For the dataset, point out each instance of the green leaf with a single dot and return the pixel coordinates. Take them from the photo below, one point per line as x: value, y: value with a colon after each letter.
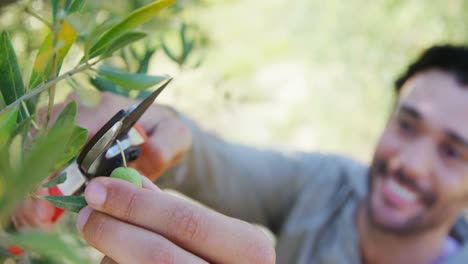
x: 7, y: 125
x: 42, y: 65
x: 11, y: 82
x: 187, y: 48
x: 55, y: 8
x: 104, y: 85
x: 183, y: 34
x: 2, y: 102
x: 123, y: 41
x: 59, y: 179
x: 77, y: 140
x: 38, y: 163
x: 47, y: 244
x: 144, y: 62
x: 133, y: 20
x: 75, y: 6
x: 65, y: 4
x: 4, y: 255
x: 168, y: 51
x: 66, y: 117
x: 95, y: 33
x: 73, y: 203
x: 132, y: 81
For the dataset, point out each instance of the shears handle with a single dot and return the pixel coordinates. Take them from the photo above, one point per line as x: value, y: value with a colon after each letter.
x: 55, y: 190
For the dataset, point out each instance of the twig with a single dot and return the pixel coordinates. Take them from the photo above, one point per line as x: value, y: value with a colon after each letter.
x: 53, y: 72
x: 38, y: 17
x: 47, y: 85
x: 23, y: 104
x: 122, y: 153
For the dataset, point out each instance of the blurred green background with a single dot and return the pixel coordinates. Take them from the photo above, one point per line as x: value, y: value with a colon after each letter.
x: 307, y: 74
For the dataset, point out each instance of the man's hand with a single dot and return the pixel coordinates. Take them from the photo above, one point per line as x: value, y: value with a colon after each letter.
x: 168, y: 141
x: 146, y: 225
x: 34, y: 212
x: 168, y: 138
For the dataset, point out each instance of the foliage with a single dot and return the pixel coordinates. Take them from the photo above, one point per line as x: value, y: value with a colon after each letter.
x: 32, y: 145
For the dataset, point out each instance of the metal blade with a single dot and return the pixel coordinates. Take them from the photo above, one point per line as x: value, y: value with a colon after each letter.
x: 92, y: 148
x: 134, y: 114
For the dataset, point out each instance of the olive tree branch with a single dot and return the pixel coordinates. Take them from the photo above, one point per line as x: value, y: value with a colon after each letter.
x: 47, y: 85
x: 38, y: 17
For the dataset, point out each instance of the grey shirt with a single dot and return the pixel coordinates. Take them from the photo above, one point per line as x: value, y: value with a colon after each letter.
x: 308, y: 200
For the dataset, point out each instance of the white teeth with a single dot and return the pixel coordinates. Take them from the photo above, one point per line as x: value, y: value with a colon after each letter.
x: 401, y: 191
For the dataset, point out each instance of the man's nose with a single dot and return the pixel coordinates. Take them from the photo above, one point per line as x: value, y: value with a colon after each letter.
x: 415, y: 159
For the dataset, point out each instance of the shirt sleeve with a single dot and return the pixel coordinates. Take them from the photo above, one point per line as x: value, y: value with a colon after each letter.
x: 259, y: 186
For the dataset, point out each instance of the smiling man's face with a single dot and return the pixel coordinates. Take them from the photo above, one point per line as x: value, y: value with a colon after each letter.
x: 419, y: 176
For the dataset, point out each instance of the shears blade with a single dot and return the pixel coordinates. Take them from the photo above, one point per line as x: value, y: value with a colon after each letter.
x: 133, y: 114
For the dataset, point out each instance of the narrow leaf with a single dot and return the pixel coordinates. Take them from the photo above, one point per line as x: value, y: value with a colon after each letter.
x: 123, y: 41
x: 7, y: 125
x: 73, y: 203
x: 77, y: 140
x: 132, y: 81
x: 188, y: 47
x: 144, y: 62
x: 4, y: 255
x: 104, y: 85
x: 66, y: 117
x: 11, y: 82
x: 66, y: 36
x: 133, y: 20
x: 59, y: 179
x: 65, y: 4
x: 2, y: 102
x: 48, y: 244
x: 168, y: 51
x: 96, y: 32
x: 75, y: 6
x: 55, y: 8
x: 37, y: 163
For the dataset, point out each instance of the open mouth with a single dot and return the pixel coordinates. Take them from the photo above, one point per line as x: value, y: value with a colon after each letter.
x: 399, y: 195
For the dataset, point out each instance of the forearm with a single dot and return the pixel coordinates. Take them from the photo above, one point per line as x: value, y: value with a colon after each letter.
x: 239, y: 181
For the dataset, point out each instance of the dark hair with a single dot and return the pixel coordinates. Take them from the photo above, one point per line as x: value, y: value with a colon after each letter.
x: 448, y: 58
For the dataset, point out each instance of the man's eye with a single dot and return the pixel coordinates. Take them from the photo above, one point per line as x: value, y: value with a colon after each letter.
x: 405, y: 126
x: 450, y: 152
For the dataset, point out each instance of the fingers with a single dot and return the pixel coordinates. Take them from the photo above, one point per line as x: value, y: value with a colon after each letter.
x: 148, y: 184
x: 125, y: 243
x: 194, y: 228
x: 168, y: 142
x: 34, y: 212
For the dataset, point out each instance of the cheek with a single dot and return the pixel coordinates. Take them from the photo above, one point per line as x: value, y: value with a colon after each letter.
x: 452, y: 188
x: 388, y: 144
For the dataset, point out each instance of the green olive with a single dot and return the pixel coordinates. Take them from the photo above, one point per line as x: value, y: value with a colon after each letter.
x: 127, y: 174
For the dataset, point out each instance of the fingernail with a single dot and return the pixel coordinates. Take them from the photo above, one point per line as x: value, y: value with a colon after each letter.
x: 83, y: 217
x: 95, y: 194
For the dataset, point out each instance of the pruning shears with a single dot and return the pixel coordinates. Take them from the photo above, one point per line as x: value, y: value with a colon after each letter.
x: 102, y: 153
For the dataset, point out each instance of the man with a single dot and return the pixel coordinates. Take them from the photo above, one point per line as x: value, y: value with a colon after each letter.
x: 322, y: 208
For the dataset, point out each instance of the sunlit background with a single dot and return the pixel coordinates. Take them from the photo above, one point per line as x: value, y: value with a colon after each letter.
x: 309, y: 75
